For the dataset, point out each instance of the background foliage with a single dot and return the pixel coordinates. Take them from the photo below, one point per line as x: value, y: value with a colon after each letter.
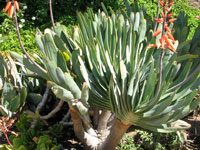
x: 35, y: 13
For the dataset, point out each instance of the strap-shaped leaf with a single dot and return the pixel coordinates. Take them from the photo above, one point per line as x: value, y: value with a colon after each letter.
x: 50, y: 47
x: 61, y: 45
x: 185, y: 57
x: 51, y: 69
x: 157, y: 109
x: 61, y: 62
x: 73, y: 87
x: 60, y: 92
x: 29, y: 65
x: 85, y: 94
x: 150, y: 86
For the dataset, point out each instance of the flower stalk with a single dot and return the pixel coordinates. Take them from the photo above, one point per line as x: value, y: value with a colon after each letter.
x: 166, y: 41
x: 51, y: 13
x: 20, y: 41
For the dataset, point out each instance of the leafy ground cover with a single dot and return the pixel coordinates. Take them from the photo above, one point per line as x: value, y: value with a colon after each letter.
x: 137, y: 139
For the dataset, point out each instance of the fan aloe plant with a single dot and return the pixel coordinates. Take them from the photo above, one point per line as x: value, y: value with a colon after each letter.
x: 12, y: 92
x: 106, y: 66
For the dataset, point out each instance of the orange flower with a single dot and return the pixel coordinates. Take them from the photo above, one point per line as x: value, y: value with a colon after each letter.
x: 151, y: 46
x: 10, y: 7
x: 171, y: 3
x: 170, y: 48
x: 16, y: 5
x: 156, y: 33
x: 169, y: 15
x: 198, y: 17
x: 7, y: 6
x: 168, y: 42
x: 170, y: 36
x: 10, y: 11
x: 162, y: 42
x: 158, y: 20
x: 167, y: 28
x: 162, y: 3
x: 162, y: 14
x: 172, y: 20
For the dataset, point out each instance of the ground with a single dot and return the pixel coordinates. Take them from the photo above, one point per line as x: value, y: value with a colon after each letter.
x: 193, y: 141
x: 194, y: 3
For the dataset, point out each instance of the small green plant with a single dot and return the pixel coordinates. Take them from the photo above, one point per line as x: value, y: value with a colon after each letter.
x: 128, y: 143
x: 35, y: 138
x: 9, y: 42
x: 145, y: 140
x: 12, y: 92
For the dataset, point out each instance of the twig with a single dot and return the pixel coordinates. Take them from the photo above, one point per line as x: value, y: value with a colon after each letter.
x: 54, y: 111
x: 44, y: 99
x: 5, y: 125
x: 51, y: 13
x: 66, y: 117
x: 40, y: 106
x: 67, y: 123
x: 21, y: 45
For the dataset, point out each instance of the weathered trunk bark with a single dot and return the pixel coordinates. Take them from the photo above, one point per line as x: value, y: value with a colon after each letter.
x: 116, y: 133
x: 103, y: 120
x: 90, y: 142
x: 94, y: 143
x: 96, y: 116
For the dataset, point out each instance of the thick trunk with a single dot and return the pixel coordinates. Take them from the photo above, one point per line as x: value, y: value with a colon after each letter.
x: 116, y: 133
x: 103, y: 120
x: 90, y: 142
x: 96, y: 116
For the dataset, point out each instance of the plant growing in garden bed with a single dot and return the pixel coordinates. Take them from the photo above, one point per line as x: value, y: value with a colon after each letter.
x: 110, y: 67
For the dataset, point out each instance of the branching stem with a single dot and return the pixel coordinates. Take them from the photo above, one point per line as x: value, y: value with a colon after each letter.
x: 5, y: 134
x: 54, y: 111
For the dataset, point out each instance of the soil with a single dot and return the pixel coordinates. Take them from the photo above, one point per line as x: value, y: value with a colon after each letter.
x: 193, y: 133
x: 69, y: 141
x: 194, y: 3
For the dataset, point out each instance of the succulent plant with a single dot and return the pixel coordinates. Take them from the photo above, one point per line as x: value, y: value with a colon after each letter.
x: 109, y: 56
x: 123, y: 75
x: 12, y: 92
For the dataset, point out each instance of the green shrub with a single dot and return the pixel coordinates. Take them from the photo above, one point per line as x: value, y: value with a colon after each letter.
x: 179, y: 6
x: 145, y: 140
x: 36, y: 138
x: 9, y: 42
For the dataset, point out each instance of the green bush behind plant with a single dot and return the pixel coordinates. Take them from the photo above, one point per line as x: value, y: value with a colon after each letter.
x: 178, y: 6
x: 65, y: 13
x: 10, y: 42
